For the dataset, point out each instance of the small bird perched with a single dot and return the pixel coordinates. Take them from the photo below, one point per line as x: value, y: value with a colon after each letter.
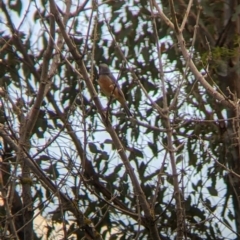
x: 110, y: 87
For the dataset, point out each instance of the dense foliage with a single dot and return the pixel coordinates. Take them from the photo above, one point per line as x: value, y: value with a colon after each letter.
x: 73, y: 156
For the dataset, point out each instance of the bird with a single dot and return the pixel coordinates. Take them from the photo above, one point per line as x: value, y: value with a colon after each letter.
x: 110, y: 87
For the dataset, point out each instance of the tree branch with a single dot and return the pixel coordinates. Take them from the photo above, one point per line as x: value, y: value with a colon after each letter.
x: 67, y: 203
x: 120, y: 149
x: 214, y: 93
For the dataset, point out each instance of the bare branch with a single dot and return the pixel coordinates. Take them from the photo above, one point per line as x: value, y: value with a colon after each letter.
x: 175, y: 22
x: 186, y: 15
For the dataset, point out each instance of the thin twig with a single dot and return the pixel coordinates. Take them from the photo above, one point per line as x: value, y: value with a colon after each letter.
x: 173, y: 14
x: 170, y: 145
x: 186, y: 15
x: 159, y: 181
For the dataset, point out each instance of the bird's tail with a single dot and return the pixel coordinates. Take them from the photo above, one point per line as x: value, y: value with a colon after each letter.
x: 127, y: 110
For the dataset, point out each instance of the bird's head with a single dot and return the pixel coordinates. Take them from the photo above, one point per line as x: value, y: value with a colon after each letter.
x: 103, y: 69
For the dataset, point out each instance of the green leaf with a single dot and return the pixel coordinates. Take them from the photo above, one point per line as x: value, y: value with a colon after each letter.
x: 138, y: 153
x: 104, y: 156
x: 108, y: 141
x: 212, y: 191
x: 53, y: 171
x: 93, y: 148
x: 153, y: 147
x: 179, y: 158
x: 16, y: 5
